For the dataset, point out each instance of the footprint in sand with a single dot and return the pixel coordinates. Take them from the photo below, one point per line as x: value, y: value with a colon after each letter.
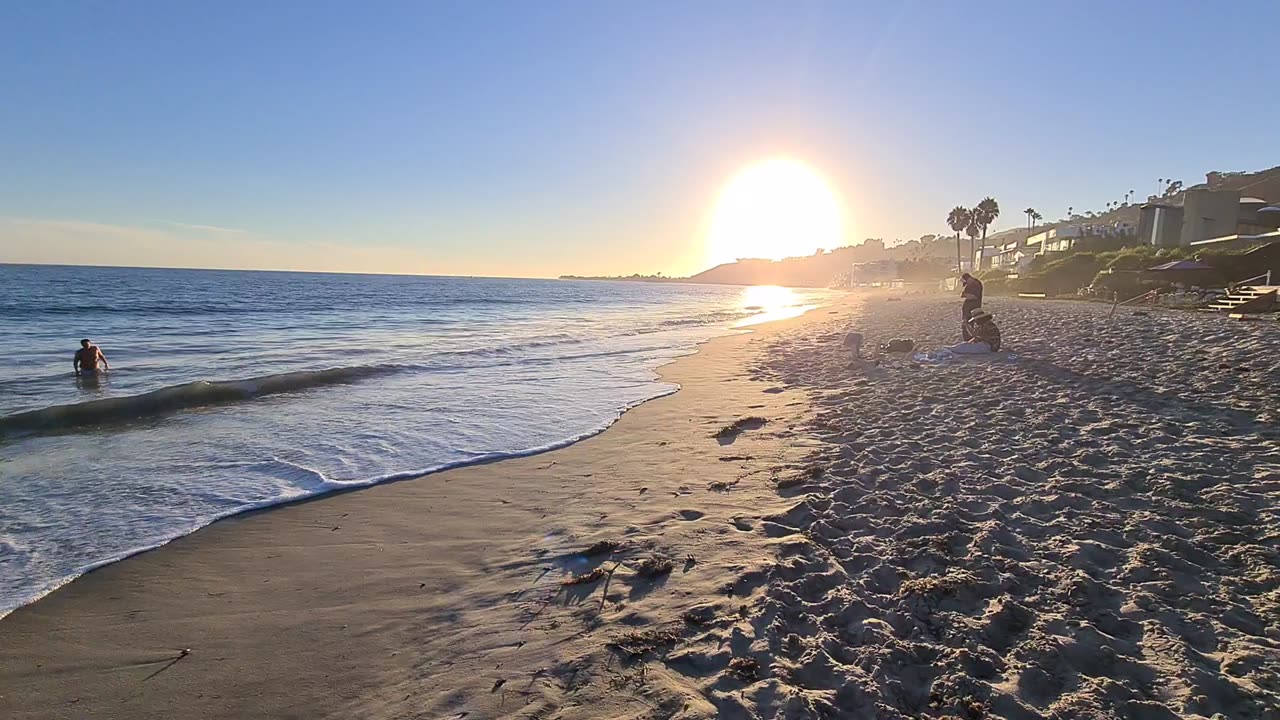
x: 743, y: 524
x: 691, y: 514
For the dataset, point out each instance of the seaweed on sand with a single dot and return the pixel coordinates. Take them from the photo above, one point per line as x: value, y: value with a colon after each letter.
x: 652, y: 567
x: 584, y: 578
x: 603, y: 547
x: 642, y: 642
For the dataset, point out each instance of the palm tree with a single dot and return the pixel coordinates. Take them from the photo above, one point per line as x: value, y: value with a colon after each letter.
x: 972, y: 230
x: 984, y: 214
x: 1029, y: 212
x: 958, y: 219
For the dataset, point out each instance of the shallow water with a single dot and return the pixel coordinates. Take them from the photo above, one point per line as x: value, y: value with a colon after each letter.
x: 236, y: 390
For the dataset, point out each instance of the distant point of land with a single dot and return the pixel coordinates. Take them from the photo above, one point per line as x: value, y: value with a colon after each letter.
x: 659, y: 278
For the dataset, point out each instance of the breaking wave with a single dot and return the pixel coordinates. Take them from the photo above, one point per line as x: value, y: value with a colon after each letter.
x: 200, y: 393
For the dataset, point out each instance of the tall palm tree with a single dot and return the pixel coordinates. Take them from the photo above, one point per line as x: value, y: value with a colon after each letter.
x: 958, y: 219
x: 1035, y: 218
x: 1029, y: 212
x: 984, y: 214
x: 972, y: 230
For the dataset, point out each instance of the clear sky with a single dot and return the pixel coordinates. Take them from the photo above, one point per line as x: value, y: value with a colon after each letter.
x: 539, y: 138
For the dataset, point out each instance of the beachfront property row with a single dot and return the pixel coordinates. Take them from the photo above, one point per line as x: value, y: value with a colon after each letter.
x: 1220, y: 219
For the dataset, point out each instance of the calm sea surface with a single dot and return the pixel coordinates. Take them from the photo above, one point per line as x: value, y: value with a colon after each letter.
x: 236, y: 390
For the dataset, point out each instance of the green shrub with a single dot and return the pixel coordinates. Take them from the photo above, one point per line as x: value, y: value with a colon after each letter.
x: 1059, y: 273
x: 1070, y: 273
x: 1124, y: 283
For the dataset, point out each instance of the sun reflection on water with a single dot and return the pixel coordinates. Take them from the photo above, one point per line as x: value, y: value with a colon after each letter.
x: 771, y: 302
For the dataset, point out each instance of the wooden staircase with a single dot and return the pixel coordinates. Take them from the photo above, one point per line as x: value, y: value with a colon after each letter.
x: 1250, y: 299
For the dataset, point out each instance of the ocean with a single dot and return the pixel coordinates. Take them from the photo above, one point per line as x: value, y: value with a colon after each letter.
x: 231, y: 391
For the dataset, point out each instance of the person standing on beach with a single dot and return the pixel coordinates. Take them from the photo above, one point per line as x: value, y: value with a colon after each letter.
x: 971, y: 294
x: 87, y: 359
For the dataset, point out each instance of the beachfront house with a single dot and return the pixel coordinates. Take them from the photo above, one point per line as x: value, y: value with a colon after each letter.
x: 877, y: 273
x: 1065, y: 237
x: 1228, y: 210
x: 984, y: 258
x: 1160, y: 224
x: 1014, y: 256
x: 1056, y: 239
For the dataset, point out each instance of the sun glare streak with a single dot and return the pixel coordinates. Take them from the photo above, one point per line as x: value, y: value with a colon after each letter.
x: 769, y: 303
x: 774, y: 209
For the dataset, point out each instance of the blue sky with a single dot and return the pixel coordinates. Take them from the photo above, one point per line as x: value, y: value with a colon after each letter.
x: 532, y: 139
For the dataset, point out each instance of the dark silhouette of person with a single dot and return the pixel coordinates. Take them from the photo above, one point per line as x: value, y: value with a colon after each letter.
x: 971, y: 293
x: 88, y: 358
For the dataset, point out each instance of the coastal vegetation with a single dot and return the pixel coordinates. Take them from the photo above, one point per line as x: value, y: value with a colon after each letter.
x: 959, y: 220
x: 1113, y: 270
x: 985, y: 213
x: 974, y: 223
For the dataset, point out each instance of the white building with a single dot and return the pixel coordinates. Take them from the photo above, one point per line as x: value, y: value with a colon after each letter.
x: 1058, y: 239
x: 872, y: 273
x: 984, y: 258
x: 1062, y: 238
x: 1014, y: 256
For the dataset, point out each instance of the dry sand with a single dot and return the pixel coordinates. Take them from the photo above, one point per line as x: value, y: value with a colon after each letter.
x: 1088, y: 530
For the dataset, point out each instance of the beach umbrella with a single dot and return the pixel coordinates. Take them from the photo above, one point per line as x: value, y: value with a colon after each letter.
x: 1183, y: 271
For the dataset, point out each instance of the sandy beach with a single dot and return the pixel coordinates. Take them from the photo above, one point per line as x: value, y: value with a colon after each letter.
x: 1083, y: 527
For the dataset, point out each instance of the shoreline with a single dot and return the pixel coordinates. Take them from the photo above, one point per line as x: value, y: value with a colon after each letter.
x: 339, y: 487
x: 80, y: 605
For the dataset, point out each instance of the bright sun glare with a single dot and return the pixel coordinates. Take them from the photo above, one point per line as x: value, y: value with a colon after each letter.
x: 774, y: 209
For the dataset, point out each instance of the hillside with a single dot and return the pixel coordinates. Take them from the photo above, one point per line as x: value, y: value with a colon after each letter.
x: 820, y: 269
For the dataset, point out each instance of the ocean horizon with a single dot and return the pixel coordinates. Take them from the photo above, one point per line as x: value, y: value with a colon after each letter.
x: 235, y: 390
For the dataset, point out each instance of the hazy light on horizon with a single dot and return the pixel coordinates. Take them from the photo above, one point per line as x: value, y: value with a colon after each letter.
x: 772, y: 302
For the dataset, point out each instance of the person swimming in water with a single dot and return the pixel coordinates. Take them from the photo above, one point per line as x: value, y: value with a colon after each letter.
x: 87, y: 359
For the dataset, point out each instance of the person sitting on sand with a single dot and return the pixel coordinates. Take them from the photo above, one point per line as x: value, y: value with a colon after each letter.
x: 853, y: 343
x: 984, y: 336
x: 87, y: 359
x: 971, y: 293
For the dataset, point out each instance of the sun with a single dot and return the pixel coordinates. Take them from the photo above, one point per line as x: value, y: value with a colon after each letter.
x: 774, y: 209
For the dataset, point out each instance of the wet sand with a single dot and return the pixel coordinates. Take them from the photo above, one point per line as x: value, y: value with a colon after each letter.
x: 437, y: 597
x: 1086, y: 527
